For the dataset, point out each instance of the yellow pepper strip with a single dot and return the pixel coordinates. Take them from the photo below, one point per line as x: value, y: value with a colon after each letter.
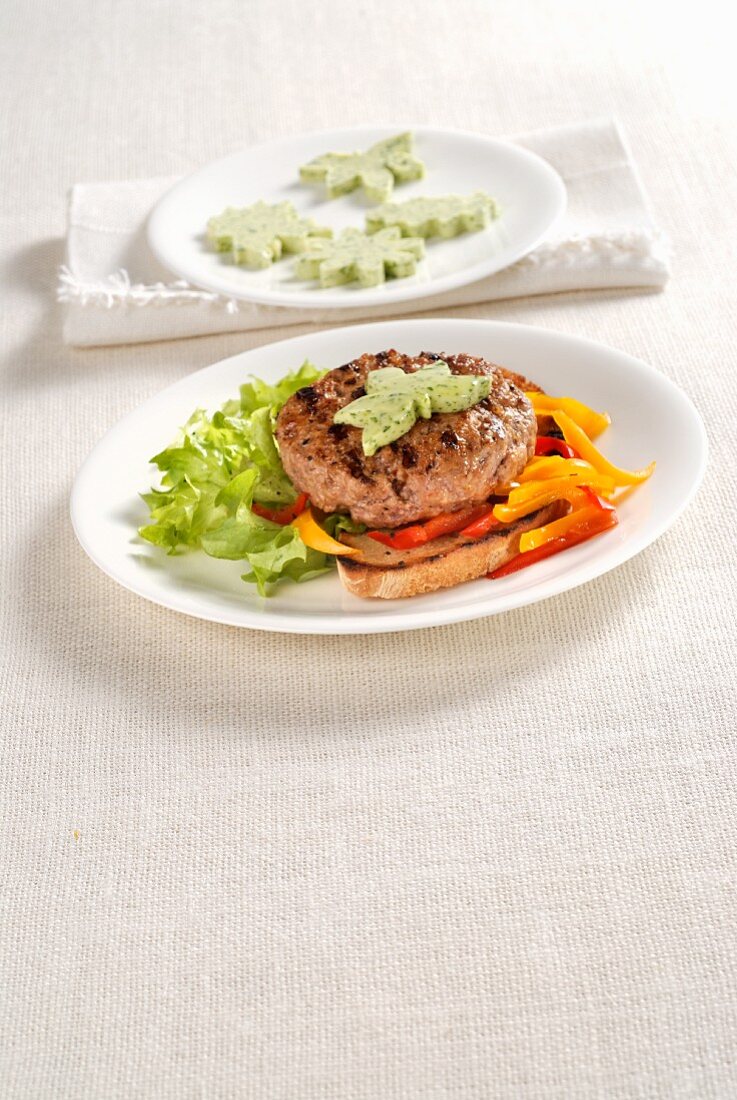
x: 317, y: 538
x: 590, y: 421
x: 558, y: 528
x: 577, y: 438
x: 537, y: 494
x: 555, y: 466
x: 600, y: 483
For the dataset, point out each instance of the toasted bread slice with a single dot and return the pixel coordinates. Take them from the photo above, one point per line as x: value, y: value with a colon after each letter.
x: 387, y: 574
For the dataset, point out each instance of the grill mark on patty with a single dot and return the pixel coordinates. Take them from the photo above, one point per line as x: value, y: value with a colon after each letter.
x: 308, y: 396
x: 355, y: 465
x: 449, y: 439
x: 409, y: 456
x: 397, y: 486
x: 338, y: 431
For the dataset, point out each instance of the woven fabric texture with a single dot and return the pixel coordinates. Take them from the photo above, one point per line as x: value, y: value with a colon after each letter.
x: 492, y: 860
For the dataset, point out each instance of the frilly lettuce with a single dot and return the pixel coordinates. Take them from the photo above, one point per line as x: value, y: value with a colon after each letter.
x: 213, y: 472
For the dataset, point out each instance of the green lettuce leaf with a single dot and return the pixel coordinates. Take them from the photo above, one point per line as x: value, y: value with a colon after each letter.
x: 256, y: 394
x: 337, y: 522
x: 213, y: 472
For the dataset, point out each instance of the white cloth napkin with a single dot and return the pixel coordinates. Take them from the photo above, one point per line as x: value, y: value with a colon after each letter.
x: 117, y: 293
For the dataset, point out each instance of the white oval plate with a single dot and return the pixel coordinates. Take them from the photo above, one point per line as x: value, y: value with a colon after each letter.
x: 532, y: 196
x: 652, y: 418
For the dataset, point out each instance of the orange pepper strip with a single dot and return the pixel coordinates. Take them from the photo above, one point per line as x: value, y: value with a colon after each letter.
x: 577, y: 438
x: 317, y: 538
x: 590, y: 421
x: 537, y: 494
x: 581, y: 516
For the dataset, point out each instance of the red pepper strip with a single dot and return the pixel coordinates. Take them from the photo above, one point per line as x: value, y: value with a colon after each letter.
x: 284, y: 515
x: 386, y: 538
x: 401, y: 540
x: 482, y: 525
x: 549, y: 445
x: 447, y: 523
x: 381, y: 536
x: 596, y: 500
x: 573, y: 538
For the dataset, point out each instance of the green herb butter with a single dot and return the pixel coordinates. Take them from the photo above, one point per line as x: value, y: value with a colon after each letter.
x: 355, y: 257
x: 395, y: 400
x: 439, y: 216
x: 257, y: 235
x: 375, y: 170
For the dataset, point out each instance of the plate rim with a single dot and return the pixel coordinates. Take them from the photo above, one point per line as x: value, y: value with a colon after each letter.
x: 405, y: 619
x: 368, y: 299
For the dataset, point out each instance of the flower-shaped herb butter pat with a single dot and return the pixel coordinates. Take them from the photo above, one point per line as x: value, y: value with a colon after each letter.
x: 394, y: 400
x: 375, y: 170
x: 355, y: 256
x: 435, y: 216
x: 257, y: 235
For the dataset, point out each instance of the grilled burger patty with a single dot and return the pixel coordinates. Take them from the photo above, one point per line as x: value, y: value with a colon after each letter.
x: 447, y: 462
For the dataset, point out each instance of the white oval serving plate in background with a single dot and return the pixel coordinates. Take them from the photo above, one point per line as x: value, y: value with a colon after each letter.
x: 531, y: 194
x: 651, y: 419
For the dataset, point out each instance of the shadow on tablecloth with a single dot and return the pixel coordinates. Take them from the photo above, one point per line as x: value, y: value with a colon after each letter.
x: 105, y: 645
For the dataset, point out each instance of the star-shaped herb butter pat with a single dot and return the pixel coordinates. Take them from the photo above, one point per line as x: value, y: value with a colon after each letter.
x: 441, y: 216
x: 353, y: 256
x: 394, y: 400
x: 257, y: 235
x: 375, y: 170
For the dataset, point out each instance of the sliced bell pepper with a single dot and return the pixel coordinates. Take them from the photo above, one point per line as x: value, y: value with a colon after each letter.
x: 317, y: 538
x: 578, y: 476
x: 548, y: 445
x: 578, y: 439
x: 284, y: 515
x: 404, y: 539
x: 590, y: 421
x: 593, y: 524
x: 481, y: 525
x: 381, y: 536
x: 537, y: 494
x: 597, y: 501
x: 590, y: 516
x: 554, y: 466
x: 447, y: 523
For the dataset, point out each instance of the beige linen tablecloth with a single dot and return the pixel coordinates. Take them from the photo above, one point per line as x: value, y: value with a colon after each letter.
x: 489, y: 860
